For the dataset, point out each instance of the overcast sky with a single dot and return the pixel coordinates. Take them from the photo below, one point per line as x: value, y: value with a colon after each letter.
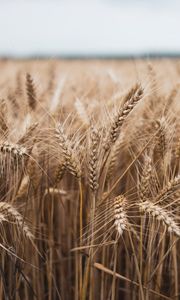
x: 101, y: 27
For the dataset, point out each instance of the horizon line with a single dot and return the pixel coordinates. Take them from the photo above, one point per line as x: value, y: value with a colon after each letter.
x: 154, y: 55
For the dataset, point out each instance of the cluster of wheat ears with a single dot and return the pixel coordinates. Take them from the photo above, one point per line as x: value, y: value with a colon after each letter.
x: 89, y: 180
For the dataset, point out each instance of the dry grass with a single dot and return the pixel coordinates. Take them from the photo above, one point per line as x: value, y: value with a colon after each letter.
x: 89, y: 180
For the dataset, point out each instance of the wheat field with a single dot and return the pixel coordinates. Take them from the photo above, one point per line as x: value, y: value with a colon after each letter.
x: 90, y: 179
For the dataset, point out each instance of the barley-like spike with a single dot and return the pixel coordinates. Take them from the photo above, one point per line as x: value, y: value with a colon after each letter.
x: 93, y: 159
x: 14, y: 149
x: 60, y: 172
x: 131, y: 99
x: 115, y: 150
x: 10, y: 213
x: 145, y: 179
x: 160, y: 138
x: 31, y: 94
x: 3, y: 116
x: 169, y: 188
x: 71, y: 162
x: 161, y: 215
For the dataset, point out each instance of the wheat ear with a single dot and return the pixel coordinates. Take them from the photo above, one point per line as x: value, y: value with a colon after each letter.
x: 9, y: 212
x: 60, y: 172
x: 93, y: 159
x: 115, y: 150
x: 131, y: 100
x: 30, y: 90
x: 160, y: 138
x: 169, y: 188
x: 145, y: 178
x: 161, y: 215
x: 3, y: 116
x: 14, y: 149
x: 120, y: 215
x: 71, y: 162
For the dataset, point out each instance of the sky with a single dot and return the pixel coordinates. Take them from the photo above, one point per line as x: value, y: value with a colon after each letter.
x: 88, y: 27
